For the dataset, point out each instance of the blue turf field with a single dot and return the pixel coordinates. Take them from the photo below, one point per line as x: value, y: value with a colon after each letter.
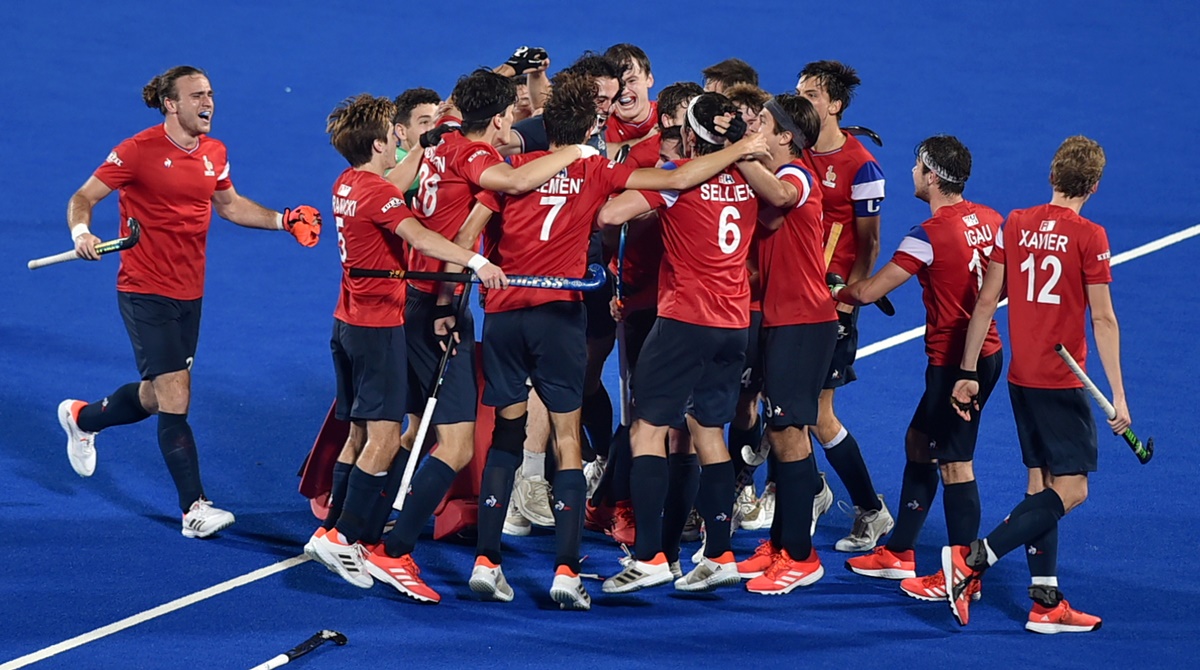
x: 1010, y: 79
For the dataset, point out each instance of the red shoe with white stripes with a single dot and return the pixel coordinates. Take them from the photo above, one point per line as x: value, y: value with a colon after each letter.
x: 401, y: 573
x: 933, y: 587
x: 786, y: 574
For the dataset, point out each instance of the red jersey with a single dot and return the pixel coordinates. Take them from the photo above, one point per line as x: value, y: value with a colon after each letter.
x: 619, y: 130
x: 449, y: 182
x: 367, y: 208
x: 643, y: 256
x: 852, y: 186
x: 754, y: 272
x: 645, y: 154
x: 706, y: 237
x: 791, y: 260
x: 546, y: 231
x: 1056, y: 254
x: 169, y: 190
x: 949, y: 254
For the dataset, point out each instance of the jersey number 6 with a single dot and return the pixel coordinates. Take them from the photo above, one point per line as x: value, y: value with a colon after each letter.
x: 728, y: 226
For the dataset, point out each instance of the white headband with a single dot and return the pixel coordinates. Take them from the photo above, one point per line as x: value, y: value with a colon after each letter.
x: 937, y: 169
x: 704, y: 133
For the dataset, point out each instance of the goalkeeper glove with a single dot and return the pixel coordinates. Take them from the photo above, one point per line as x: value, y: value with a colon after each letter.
x: 304, y: 223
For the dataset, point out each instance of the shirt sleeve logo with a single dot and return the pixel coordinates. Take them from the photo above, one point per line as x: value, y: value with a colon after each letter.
x: 394, y: 202
x: 114, y: 159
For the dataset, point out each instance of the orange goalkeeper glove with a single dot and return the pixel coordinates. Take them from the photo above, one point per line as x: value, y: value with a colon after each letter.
x: 304, y: 223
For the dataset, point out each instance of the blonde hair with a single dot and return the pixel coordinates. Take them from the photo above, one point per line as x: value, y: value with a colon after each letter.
x: 1077, y: 166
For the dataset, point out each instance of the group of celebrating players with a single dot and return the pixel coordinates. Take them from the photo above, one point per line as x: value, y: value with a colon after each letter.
x: 740, y: 229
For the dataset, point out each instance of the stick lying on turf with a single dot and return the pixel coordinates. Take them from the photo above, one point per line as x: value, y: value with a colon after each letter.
x: 303, y: 648
x: 119, y: 244
x: 1143, y: 452
x: 595, y: 278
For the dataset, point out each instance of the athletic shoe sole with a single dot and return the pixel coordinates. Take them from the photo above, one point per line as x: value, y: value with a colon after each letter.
x: 885, y: 573
x: 332, y: 559
x: 811, y: 578
x: 82, y: 464
x: 570, y: 596
x: 189, y: 533
x: 948, y: 570
x: 489, y: 588
x: 1055, y: 628
x: 386, y: 577
x: 711, y: 583
x: 644, y: 582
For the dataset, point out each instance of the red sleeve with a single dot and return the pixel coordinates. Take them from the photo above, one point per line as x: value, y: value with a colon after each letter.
x: 655, y: 198
x: 616, y: 175
x: 1096, y: 268
x: 489, y: 199
x: 390, y: 206
x: 479, y: 160
x: 117, y: 170
x: 997, y: 255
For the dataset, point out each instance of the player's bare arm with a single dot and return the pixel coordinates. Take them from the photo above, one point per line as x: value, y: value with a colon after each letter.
x: 867, y: 228
x: 699, y: 169
x: 304, y: 222
x: 467, y: 238
x: 1108, y: 344
x: 405, y: 172
x: 966, y: 391
x: 622, y: 208
x: 79, y: 217
x: 867, y: 291
x: 431, y: 244
x: 504, y: 178
x: 770, y: 189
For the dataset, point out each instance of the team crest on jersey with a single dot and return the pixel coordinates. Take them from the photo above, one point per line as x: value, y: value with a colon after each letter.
x: 971, y: 220
x: 1047, y: 226
x: 167, y: 163
x: 830, y: 179
x: 208, y: 167
x: 114, y: 159
x: 344, y: 190
x: 724, y: 178
x: 562, y: 174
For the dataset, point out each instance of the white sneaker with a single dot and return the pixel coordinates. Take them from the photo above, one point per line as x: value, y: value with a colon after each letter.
x: 567, y: 590
x: 692, y: 527
x: 344, y: 559
x: 868, y: 527
x: 310, y: 550
x: 488, y: 580
x: 676, y: 569
x: 515, y: 523
x: 532, y: 497
x: 764, y: 511
x: 709, y: 574
x: 592, y: 473
x: 638, y: 575
x: 203, y: 519
x: 81, y: 445
x: 746, y: 500
x: 821, y: 503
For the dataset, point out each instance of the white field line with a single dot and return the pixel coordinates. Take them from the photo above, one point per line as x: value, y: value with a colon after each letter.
x: 1123, y: 257
x: 261, y: 573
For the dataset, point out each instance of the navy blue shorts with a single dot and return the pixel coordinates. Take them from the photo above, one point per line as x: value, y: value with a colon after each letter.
x: 952, y: 440
x: 457, y: 399
x: 163, y: 331
x: 371, y: 370
x: 1056, y: 429
x: 841, y: 369
x: 546, y: 344
x: 752, y: 369
x: 637, y: 329
x: 796, y: 361
x: 682, y: 361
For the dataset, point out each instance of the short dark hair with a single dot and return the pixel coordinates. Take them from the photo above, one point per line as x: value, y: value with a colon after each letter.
x: 597, y: 65
x: 482, y: 95
x: 803, y: 116
x: 407, y: 101
x: 1077, y: 166
x: 356, y: 123
x: 838, y: 80
x: 625, y: 54
x: 163, y: 86
x: 675, y: 96
x: 951, y: 162
x: 705, y: 108
x: 570, y: 111
x: 731, y: 71
x: 747, y: 95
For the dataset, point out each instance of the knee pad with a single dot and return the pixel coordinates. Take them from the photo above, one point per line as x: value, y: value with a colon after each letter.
x: 509, y: 435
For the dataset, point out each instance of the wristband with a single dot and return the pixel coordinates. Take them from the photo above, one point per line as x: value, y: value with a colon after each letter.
x: 587, y: 151
x: 970, y: 375
x: 477, y: 262
x: 78, y: 230
x: 278, y: 221
x: 443, y: 311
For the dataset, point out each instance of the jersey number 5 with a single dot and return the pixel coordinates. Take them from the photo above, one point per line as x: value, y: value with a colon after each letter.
x: 727, y: 226
x: 341, y: 223
x: 1047, y: 295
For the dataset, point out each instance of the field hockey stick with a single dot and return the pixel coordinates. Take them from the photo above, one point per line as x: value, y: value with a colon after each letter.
x: 622, y: 355
x: 303, y: 648
x: 863, y: 131
x: 594, y: 279
x: 834, y: 280
x: 119, y: 244
x: 1143, y: 452
x: 410, y: 466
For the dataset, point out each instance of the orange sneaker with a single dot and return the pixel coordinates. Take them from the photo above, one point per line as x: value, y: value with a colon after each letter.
x: 624, y: 527
x: 401, y: 573
x: 933, y: 587
x: 884, y: 564
x: 759, y: 561
x: 597, y: 518
x: 786, y: 574
x: 1059, y: 617
x: 959, y: 574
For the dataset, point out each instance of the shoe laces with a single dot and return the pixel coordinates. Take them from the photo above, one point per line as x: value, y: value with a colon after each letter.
x: 765, y: 548
x: 780, y: 565
x: 407, y: 562
x: 935, y: 580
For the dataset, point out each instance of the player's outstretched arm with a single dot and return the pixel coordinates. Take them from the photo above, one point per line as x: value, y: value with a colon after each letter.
x: 622, y: 208
x: 79, y: 217
x: 1108, y: 344
x: 867, y: 291
x: 504, y: 178
x: 770, y: 189
x: 433, y: 245
x: 303, y: 222
x: 405, y: 172
x: 467, y: 238
x: 699, y: 169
